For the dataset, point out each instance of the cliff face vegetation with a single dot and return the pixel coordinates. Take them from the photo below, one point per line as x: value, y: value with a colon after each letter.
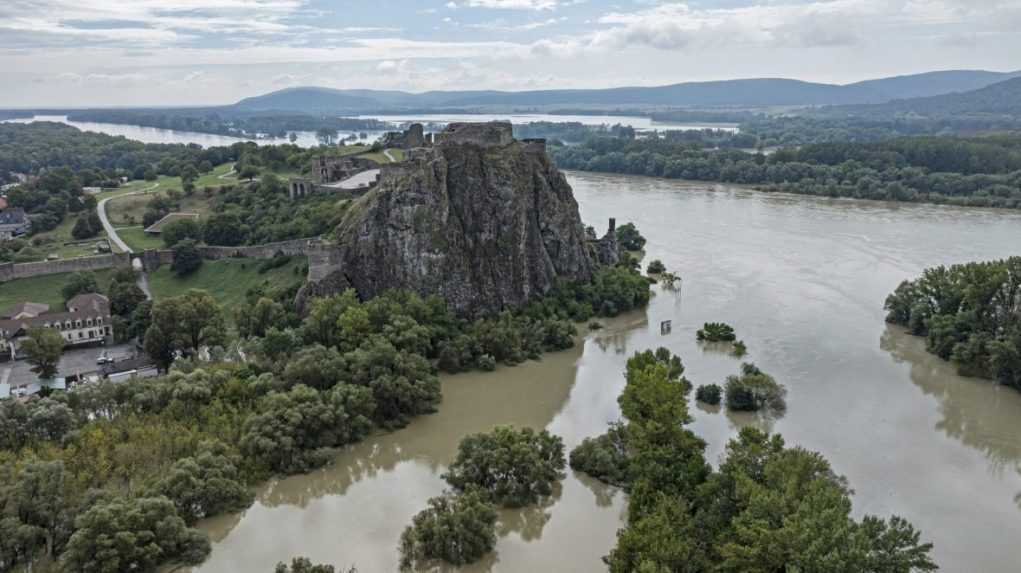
x: 482, y: 220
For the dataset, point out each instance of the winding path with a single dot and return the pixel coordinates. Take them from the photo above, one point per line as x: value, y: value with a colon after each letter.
x: 108, y: 227
x: 392, y: 159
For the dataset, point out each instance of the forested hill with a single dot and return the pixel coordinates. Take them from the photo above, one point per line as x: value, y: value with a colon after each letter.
x: 756, y: 92
x: 1000, y: 100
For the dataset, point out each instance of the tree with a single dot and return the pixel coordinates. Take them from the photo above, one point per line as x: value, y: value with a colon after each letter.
x: 79, y: 283
x: 656, y: 267
x: 303, y: 564
x: 184, y: 324
x: 203, y: 486
x: 187, y: 258
x: 754, y: 390
x: 133, y: 534
x: 629, y: 238
x: 224, y: 229
x: 513, y: 467
x: 458, y: 529
x: 43, y: 347
x: 124, y: 297
x: 604, y: 457
x: 248, y: 172
x: 84, y: 227
x: 256, y: 319
x: 180, y: 230
x: 292, y: 429
x: 709, y: 394
x: 716, y: 332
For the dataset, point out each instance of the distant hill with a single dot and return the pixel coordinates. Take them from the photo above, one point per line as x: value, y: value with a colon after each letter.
x: 999, y: 100
x: 762, y: 92
x: 934, y: 83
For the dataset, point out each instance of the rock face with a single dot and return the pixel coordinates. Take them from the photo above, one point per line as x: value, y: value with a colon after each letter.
x: 482, y: 220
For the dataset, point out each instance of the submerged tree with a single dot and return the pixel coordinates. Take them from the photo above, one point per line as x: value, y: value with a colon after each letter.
x: 456, y: 528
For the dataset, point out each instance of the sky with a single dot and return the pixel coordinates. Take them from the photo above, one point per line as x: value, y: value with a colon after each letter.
x: 94, y: 53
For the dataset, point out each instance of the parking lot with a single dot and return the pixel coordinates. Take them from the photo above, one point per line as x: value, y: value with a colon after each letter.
x: 79, y: 360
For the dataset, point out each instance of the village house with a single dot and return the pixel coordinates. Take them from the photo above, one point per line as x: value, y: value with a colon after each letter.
x: 13, y: 223
x: 86, y: 321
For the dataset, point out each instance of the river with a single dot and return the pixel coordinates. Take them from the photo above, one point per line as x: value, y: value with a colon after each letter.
x: 309, y: 139
x: 803, y: 280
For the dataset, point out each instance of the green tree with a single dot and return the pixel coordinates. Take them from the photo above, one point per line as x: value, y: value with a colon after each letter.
x: 184, y: 324
x: 629, y: 238
x: 256, y: 319
x: 180, y: 230
x: 187, y: 258
x: 79, y: 283
x: 43, y: 347
x: 124, y: 297
x: 513, y: 467
x: 754, y: 390
x: 458, y: 529
x: 203, y: 486
x: 84, y: 228
x: 656, y: 267
x: 129, y: 534
x: 224, y: 229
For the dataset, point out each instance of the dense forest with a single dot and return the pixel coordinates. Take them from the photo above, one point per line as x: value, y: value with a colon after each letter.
x: 981, y: 171
x: 969, y: 313
x: 142, y: 461
x: 768, y: 507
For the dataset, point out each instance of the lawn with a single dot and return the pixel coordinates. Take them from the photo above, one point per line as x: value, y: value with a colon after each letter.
x: 138, y: 240
x: 62, y: 234
x: 129, y: 211
x: 228, y: 280
x: 44, y: 289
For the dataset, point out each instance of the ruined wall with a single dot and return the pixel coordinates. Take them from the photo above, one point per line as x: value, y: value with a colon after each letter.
x: 11, y: 271
x: 491, y: 134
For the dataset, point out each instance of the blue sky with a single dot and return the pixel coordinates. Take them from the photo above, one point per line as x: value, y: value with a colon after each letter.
x: 175, y: 52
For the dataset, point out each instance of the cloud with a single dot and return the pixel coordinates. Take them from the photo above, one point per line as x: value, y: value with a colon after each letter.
x: 513, y: 4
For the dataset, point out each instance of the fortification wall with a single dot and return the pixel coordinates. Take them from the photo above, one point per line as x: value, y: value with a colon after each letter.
x: 491, y: 134
x: 11, y: 271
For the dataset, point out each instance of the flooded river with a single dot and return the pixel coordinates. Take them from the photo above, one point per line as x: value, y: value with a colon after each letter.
x: 803, y: 281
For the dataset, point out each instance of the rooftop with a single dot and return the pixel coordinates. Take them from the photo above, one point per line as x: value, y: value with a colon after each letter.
x: 157, y: 227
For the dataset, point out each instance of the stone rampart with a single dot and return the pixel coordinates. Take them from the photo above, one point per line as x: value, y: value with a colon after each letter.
x: 11, y: 271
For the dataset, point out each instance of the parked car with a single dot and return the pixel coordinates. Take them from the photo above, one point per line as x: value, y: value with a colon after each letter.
x: 104, y: 358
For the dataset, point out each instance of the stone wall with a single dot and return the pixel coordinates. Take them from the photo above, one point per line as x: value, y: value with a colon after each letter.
x: 11, y: 271
x: 491, y: 134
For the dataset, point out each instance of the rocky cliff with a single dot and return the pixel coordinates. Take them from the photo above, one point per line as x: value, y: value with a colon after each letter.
x: 483, y: 220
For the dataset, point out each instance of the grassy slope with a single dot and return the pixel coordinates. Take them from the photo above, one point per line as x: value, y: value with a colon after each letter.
x: 45, y: 289
x: 138, y: 240
x: 227, y: 280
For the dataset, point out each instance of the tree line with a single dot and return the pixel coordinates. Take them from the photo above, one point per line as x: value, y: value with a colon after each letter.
x: 969, y: 314
x: 982, y: 171
x: 769, y: 507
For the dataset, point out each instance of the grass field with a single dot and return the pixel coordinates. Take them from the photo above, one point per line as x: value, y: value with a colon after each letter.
x: 44, y: 289
x: 61, y: 234
x: 138, y: 240
x: 228, y: 280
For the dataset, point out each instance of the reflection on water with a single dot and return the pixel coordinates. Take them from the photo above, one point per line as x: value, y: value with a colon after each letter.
x: 803, y: 282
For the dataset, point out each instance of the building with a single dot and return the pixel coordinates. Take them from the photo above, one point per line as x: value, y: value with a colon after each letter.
x: 13, y: 223
x: 86, y: 321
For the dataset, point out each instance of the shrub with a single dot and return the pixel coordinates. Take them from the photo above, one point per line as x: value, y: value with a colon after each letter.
x: 656, y: 267
x: 458, y: 529
x: 754, y: 390
x: 604, y: 457
x: 716, y: 332
x: 187, y: 258
x: 513, y: 467
x: 709, y: 394
x: 739, y: 349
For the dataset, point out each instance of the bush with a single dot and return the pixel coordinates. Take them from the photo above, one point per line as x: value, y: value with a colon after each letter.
x: 656, y: 267
x: 513, y: 467
x: 180, y: 230
x: 709, y: 394
x: 604, y: 457
x: 187, y: 258
x: 754, y: 390
x: 629, y: 238
x: 716, y: 332
x: 739, y: 349
x: 458, y: 529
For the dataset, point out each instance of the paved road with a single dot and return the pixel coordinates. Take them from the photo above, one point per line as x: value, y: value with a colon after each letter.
x: 71, y: 362
x: 110, y: 231
x: 392, y: 159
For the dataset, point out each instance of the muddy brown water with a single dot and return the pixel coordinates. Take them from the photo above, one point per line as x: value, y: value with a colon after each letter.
x: 803, y: 281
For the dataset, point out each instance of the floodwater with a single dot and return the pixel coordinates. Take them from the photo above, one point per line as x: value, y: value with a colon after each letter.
x: 639, y: 123
x: 803, y: 281
x: 159, y: 135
